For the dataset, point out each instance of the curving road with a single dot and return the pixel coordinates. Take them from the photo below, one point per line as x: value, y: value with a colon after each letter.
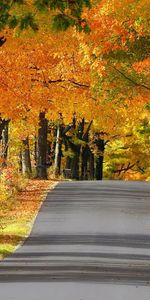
x: 89, y: 239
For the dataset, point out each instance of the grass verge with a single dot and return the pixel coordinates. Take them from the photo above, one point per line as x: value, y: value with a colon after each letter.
x: 16, y: 223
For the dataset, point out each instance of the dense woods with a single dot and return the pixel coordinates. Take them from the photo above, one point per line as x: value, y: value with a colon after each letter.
x: 74, y: 85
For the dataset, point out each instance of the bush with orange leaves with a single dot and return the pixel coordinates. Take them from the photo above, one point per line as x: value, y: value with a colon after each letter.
x: 10, y: 182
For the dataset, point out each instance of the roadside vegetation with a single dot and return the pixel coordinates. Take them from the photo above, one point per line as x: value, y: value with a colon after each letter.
x: 18, y: 213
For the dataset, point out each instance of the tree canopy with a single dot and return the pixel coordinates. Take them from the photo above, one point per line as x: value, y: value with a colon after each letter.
x: 23, y: 13
x: 78, y: 99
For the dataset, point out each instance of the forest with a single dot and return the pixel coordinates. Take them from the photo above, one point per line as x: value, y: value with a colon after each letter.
x: 75, y: 88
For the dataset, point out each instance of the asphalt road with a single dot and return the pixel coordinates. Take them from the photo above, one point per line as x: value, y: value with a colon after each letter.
x: 90, y: 241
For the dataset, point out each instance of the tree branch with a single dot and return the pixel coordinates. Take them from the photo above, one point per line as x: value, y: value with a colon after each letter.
x: 124, y: 169
x: 131, y: 80
x: 79, y: 84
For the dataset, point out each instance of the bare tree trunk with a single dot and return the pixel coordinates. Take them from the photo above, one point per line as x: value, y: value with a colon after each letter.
x: 35, y: 150
x: 75, y: 165
x: 4, y: 140
x: 75, y: 169
x: 68, y: 162
x: 26, y: 160
x: 91, y: 165
x: 84, y: 163
x: 58, y: 151
x: 99, y: 168
x: 85, y: 155
x: 42, y: 147
x: 99, y: 159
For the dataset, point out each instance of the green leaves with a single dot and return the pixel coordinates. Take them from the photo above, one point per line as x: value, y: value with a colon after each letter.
x: 75, y: 6
x: 28, y: 21
x: 68, y: 13
x: 13, y: 22
x: 61, y: 22
x: 4, y: 15
x: 52, y: 4
x: 10, y: 18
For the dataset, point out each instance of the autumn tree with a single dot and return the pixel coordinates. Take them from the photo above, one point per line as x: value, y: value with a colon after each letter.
x: 86, y: 84
x: 118, y: 51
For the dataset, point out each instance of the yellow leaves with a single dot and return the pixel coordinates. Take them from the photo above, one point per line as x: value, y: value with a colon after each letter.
x: 115, y: 23
x: 48, y: 71
x: 143, y: 66
x: 41, y: 77
x: 20, y: 214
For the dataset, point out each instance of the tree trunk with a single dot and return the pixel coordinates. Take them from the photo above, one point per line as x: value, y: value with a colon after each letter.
x: 58, y: 151
x: 84, y: 163
x: 75, y: 174
x: 75, y: 165
x: 26, y: 160
x: 35, y: 150
x: 4, y: 138
x: 99, y: 168
x: 99, y: 159
x: 85, y: 155
x: 91, y: 165
x: 42, y: 147
x: 68, y: 162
